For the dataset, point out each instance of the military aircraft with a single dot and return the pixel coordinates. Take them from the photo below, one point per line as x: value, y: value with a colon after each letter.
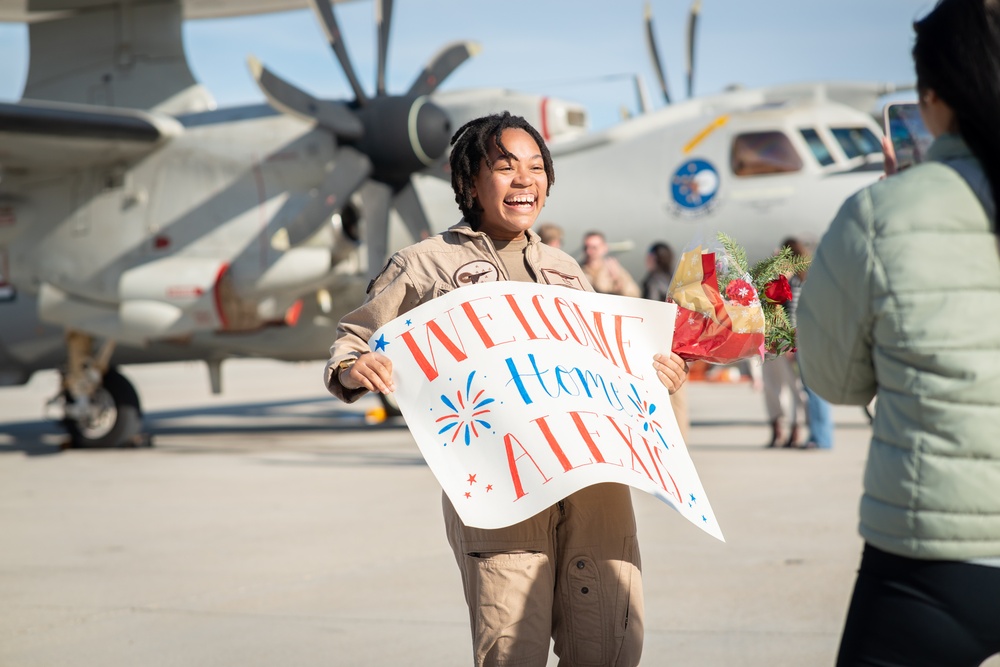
x: 135, y: 214
x: 170, y: 230
x: 760, y: 165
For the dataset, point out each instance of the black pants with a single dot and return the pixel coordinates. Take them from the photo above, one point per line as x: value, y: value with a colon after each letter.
x: 921, y: 613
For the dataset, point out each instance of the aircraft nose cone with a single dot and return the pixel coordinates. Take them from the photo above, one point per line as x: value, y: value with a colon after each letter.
x: 430, y: 127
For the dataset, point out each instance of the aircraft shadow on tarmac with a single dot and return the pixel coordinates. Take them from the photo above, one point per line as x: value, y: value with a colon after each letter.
x: 45, y: 437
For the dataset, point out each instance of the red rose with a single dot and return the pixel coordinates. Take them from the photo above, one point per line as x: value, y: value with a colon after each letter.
x: 741, y: 292
x: 778, y: 290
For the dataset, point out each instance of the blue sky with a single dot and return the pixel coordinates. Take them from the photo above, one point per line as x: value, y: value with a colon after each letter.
x: 562, y: 48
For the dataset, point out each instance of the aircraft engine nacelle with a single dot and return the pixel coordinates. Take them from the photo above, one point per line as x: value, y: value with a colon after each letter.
x: 175, y: 296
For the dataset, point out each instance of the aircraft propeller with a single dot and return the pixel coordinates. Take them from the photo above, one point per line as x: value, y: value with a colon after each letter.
x: 385, y: 138
x: 654, y: 53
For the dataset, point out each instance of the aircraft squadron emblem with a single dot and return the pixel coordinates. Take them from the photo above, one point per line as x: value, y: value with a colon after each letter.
x: 694, y: 186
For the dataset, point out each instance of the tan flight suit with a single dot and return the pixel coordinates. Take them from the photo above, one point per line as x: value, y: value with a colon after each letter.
x: 571, y: 572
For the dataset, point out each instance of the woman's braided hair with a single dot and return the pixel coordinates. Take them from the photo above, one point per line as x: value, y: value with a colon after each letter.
x: 471, y: 146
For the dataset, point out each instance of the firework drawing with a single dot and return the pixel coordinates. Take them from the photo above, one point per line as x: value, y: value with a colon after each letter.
x: 646, y: 410
x: 467, y: 412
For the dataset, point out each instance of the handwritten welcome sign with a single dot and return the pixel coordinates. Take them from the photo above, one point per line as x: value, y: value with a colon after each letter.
x: 520, y: 394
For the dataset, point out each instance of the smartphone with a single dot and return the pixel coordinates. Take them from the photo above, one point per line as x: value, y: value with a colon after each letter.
x: 907, y: 132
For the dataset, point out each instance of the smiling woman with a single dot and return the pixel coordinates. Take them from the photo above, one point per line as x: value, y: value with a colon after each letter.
x: 570, y: 572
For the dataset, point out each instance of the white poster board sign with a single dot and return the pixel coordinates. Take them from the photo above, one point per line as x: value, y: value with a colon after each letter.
x: 520, y: 394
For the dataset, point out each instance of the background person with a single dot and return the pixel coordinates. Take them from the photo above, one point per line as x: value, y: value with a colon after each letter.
x: 571, y: 572
x: 785, y: 397
x: 902, y: 303
x: 659, y: 272
x: 656, y: 286
x: 604, y: 272
x: 551, y: 234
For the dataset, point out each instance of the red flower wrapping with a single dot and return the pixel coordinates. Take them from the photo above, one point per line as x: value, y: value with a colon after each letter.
x: 778, y: 290
x: 740, y: 291
x: 699, y: 336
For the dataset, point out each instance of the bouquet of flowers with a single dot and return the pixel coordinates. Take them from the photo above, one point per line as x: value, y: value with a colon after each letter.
x: 727, y: 310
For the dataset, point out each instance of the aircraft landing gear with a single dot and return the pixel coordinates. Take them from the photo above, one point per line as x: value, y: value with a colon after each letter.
x: 100, y: 406
x: 110, y: 417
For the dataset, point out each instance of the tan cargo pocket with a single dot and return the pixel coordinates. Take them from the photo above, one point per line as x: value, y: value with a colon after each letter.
x: 512, y: 598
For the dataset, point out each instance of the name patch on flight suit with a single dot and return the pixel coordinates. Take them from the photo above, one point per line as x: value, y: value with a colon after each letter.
x: 473, y: 273
x: 553, y: 277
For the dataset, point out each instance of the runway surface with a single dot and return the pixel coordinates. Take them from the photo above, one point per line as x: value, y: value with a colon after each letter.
x: 271, y: 526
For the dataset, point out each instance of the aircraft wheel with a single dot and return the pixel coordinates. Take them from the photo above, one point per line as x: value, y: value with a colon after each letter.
x: 113, y: 418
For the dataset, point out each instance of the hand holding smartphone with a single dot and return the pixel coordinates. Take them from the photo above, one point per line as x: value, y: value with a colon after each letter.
x: 906, y: 131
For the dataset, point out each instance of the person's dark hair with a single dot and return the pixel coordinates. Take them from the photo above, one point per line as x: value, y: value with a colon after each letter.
x: 663, y: 255
x: 471, y: 146
x: 795, y: 246
x: 957, y: 55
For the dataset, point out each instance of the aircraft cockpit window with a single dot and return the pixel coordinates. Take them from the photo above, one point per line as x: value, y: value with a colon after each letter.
x: 817, y: 146
x: 857, y: 141
x: 758, y: 153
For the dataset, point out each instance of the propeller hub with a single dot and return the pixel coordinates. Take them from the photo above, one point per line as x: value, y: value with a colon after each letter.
x: 402, y: 135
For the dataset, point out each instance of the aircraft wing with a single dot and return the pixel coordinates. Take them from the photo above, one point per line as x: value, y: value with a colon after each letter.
x: 20, y: 11
x: 58, y: 136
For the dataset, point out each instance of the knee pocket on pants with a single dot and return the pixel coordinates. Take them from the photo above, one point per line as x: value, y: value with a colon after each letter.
x: 605, y: 605
x: 512, y: 598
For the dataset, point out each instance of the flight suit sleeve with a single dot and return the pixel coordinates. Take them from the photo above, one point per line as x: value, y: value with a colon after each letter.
x: 390, y: 295
x: 835, y: 314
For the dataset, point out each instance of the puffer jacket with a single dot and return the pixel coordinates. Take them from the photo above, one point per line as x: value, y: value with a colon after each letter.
x: 418, y: 273
x: 903, y: 301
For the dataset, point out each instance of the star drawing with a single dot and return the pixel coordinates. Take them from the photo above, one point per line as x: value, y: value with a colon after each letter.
x: 471, y: 480
x: 381, y: 343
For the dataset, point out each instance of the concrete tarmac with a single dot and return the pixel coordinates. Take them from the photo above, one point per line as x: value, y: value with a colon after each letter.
x: 270, y: 526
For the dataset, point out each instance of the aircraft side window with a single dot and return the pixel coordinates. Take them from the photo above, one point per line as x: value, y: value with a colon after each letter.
x: 758, y: 153
x: 857, y: 141
x: 817, y: 146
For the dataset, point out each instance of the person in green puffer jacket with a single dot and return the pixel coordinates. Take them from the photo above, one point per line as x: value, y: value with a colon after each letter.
x: 903, y: 303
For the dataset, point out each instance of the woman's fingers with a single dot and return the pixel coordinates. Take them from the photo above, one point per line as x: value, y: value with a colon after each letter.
x: 373, y: 371
x: 671, y: 370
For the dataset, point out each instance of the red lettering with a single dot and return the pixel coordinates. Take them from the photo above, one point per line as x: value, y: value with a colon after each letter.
x: 430, y: 367
x: 522, y: 319
x: 475, y: 320
x: 550, y: 438
x: 515, y: 475
x: 587, y: 435
x: 560, y: 302
x: 657, y: 459
x: 604, y: 348
x: 622, y: 342
x: 627, y: 439
x: 536, y: 302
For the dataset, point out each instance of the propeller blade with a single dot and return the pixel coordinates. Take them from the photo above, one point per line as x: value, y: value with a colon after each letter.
x: 376, y: 200
x: 350, y: 170
x: 286, y: 98
x: 691, y: 34
x: 654, y: 53
x: 441, y: 65
x: 383, y: 17
x: 407, y: 205
x: 324, y: 12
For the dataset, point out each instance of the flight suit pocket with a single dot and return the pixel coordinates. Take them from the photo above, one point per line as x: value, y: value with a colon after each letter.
x: 509, y: 595
x: 588, y: 604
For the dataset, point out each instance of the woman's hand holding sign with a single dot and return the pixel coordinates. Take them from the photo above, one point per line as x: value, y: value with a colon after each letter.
x: 372, y: 371
x: 671, y: 369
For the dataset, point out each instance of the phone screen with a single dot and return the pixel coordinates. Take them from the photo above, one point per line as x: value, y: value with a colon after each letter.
x: 907, y: 132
